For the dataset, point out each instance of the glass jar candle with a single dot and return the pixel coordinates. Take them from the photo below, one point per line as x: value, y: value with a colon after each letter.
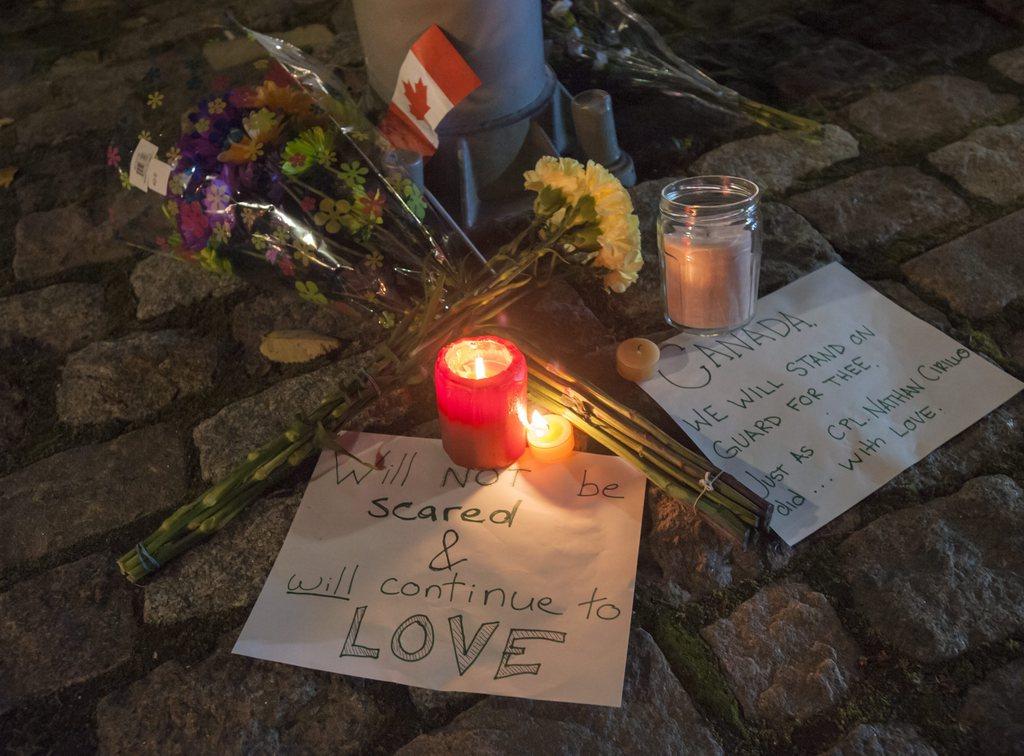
x: 709, y: 240
x: 481, y: 400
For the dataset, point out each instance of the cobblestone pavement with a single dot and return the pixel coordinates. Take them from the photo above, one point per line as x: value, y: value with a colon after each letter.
x: 128, y: 381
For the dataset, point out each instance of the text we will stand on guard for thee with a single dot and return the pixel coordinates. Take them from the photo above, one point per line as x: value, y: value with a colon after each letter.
x: 827, y: 394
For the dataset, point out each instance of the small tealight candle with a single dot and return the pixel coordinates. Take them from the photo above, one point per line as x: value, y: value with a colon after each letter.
x: 550, y: 437
x: 637, y: 358
x: 481, y: 399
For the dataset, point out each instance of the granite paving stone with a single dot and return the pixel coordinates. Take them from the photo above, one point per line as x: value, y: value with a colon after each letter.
x: 835, y: 69
x: 234, y: 704
x: 977, y: 274
x: 946, y: 577
x: 881, y: 740
x: 224, y: 439
x: 987, y: 162
x: 791, y: 247
x: 1011, y: 10
x: 912, y: 303
x: 776, y: 161
x: 135, y: 377
x: 438, y: 707
x: 694, y: 557
x: 936, y: 106
x: 923, y: 34
x: 785, y: 653
x: 66, y: 626
x: 228, y: 572
x: 14, y: 409
x: 867, y: 211
x: 1015, y: 347
x: 80, y: 494
x: 657, y: 716
x: 55, y: 241
x: 993, y: 711
x: 163, y: 284
x: 62, y: 317
x: 1010, y: 63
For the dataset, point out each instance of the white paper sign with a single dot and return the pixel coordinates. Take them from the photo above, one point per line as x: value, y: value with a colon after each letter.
x: 516, y: 582
x: 828, y: 393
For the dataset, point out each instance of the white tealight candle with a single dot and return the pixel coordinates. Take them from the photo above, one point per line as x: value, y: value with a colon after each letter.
x: 636, y: 359
x: 550, y: 437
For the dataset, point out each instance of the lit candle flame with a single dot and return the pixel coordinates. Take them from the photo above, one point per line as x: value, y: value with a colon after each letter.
x: 478, y: 366
x: 538, y: 424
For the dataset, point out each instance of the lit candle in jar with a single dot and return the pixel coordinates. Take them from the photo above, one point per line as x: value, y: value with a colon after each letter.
x: 710, y: 279
x: 710, y: 241
x: 480, y: 384
x: 636, y: 359
x: 550, y: 437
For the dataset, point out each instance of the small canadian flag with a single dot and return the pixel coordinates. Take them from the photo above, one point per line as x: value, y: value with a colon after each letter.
x: 433, y: 79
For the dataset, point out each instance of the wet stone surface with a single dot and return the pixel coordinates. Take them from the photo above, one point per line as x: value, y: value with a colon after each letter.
x: 881, y: 739
x: 785, y: 653
x: 84, y: 492
x: 134, y: 377
x: 776, y: 161
x: 986, y: 162
x: 938, y: 106
x: 977, y: 274
x: 657, y: 716
x: 69, y: 625
x: 228, y: 703
x: 947, y: 577
x: 860, y: 215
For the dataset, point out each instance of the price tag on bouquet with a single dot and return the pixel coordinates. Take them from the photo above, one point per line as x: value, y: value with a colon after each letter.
x: 515, y: 582
x: 829, y: 392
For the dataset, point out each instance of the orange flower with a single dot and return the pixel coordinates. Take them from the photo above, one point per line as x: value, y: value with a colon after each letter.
x: 244, y: 151
x: 270, y: 95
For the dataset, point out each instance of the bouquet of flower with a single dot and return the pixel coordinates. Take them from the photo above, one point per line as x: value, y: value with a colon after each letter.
x: 616, y: 39
x: 289, y: 173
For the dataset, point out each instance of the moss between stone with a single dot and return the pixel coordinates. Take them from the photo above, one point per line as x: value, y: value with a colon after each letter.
x: 693, y: 662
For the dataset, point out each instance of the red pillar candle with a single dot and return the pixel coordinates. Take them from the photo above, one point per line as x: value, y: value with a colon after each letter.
x: 481, y: 399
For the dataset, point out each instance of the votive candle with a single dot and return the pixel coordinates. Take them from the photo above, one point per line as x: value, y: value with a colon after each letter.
x: 636, y: 359
x: 550, y: 437
x: 480, y: 384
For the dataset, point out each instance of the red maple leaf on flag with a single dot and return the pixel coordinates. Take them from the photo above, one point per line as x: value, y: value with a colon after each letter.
x: 417, y: 97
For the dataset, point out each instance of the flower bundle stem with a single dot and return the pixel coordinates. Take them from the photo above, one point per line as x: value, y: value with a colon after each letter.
x: 606, y: 410
x: 659, y: 470
x: 723, y: 518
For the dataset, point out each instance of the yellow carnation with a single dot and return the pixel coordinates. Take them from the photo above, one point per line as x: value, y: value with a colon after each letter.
x: 560, y: 173
x: 618, y: 227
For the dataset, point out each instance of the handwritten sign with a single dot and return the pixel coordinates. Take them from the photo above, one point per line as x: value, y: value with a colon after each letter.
x: 516, y: 582
x: 828, y: 393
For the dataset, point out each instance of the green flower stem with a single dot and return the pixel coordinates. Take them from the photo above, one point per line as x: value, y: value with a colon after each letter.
x: 650, y: 462
x: 667, y: 452
x: 722, y: 518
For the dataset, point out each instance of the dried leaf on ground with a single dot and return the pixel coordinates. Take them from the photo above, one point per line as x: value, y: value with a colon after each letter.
x: 296, y: 345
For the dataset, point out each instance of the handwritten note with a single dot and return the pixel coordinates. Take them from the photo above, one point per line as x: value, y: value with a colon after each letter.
x: 516, y: 582
x: 828, y: 393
